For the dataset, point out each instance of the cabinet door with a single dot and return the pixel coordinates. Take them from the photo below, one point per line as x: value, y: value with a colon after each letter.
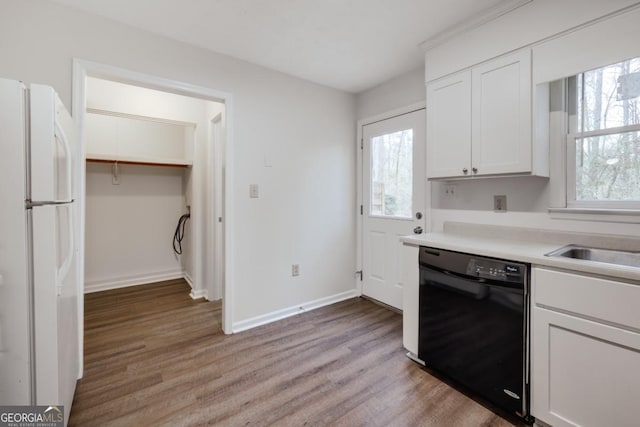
x: 411, y: 297
x: 150, y: 140
x: 449, y: 126
x: 122, y: 137
x: 501, y: 126
x: 583, y: 373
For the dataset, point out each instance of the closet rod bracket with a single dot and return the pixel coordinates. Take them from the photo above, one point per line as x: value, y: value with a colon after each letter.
x: 115, y: 170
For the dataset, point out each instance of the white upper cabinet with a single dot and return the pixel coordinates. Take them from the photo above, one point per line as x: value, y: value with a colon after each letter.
x: 449, y: 125
x: 479, y: 121
x: 134, y: 139
x: 501, y: 115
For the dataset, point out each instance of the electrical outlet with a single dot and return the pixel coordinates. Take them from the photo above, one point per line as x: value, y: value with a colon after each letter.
x: 295, y: 269
x: 499, y: 203
x: 450, y: 191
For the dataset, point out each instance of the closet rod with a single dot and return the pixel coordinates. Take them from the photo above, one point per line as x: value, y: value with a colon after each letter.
x: 131, y: 162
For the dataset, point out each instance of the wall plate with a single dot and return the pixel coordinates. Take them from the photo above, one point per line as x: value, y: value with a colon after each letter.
x: 499, y: 203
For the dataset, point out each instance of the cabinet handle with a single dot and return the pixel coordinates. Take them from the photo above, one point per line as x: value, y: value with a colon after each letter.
x: 465, y: 170
x: 475, y: 170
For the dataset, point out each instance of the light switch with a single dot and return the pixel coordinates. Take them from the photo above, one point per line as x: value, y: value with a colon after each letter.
x: 253, y: 191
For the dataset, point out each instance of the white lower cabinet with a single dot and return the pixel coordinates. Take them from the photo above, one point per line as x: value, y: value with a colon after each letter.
x: 585, y: 350
x: 411, y: 295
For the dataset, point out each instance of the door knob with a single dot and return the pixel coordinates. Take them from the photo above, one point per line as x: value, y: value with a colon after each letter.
x: 465, y: 170
x: 475, y: 170
x: 417, y: 230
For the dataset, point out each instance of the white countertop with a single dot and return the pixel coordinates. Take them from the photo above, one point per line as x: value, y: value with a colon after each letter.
x: 529, y: 251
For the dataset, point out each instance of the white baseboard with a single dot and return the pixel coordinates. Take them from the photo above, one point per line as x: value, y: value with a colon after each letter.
x: 253, y: 322
x: 198, y: 293
x: 188, y: 279
x: 195, y: 293
x: 124, y: 282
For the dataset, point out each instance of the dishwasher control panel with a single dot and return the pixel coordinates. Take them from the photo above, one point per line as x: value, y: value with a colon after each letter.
x: 495, y: 270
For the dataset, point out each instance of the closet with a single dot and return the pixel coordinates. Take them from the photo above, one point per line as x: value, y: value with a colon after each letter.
x: 141, y: 177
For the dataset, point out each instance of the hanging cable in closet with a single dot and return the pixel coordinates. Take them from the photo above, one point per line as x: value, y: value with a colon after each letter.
x: 179, y: 234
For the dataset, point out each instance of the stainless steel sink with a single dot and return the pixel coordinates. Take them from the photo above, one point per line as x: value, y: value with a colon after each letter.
x: 608, y: 256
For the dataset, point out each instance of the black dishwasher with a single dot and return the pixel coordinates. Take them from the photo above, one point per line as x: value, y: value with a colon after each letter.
x: 473, y: 325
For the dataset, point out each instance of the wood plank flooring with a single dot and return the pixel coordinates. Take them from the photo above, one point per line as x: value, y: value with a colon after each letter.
x: 155, y: 357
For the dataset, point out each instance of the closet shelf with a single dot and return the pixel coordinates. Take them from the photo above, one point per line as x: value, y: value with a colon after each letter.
x: 130, y: 160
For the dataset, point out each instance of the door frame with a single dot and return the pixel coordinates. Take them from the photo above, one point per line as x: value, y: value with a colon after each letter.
x: 215, y: 211
x: 360, y: 184
x: 82, y: 69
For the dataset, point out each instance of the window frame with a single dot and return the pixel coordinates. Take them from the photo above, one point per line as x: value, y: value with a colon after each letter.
x: 570, y: 143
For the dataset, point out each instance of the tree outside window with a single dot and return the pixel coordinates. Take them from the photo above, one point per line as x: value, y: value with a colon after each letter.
x: 607, y: 134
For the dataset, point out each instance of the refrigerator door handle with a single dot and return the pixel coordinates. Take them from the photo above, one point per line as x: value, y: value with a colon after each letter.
x: 29, y: 204
x: 66, y: 264
x: 62, y: 137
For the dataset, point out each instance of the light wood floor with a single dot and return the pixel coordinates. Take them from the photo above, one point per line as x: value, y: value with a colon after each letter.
x: 155, y: 357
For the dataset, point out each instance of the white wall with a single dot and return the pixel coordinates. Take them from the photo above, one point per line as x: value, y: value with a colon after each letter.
x: 403, y: 90
x: 306, y: 212
x: 527, y: 198
x: 129, y: 227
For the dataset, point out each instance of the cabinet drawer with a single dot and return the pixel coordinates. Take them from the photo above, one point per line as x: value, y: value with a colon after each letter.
x: 596, y: 298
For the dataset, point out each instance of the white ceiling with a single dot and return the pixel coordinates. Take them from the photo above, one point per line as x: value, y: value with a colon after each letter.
x: 351, y: 45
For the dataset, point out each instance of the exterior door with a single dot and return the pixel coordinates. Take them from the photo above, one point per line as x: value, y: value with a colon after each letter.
x: 393, y: 200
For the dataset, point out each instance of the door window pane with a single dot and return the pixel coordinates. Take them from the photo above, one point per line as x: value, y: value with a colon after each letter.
x: 392, y: 174
x: 608, y: 167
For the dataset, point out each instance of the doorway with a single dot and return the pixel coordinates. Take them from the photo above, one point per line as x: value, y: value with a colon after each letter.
x: 393, y: 198
x: 84, y: 70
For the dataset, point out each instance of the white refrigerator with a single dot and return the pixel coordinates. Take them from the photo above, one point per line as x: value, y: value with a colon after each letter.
x: 39, y: 335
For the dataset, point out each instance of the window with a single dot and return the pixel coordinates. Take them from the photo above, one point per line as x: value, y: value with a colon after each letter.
x: 392, y: 174
x: 603, y: 146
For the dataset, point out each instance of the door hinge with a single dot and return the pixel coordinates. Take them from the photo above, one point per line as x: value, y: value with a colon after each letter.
x: 362, y: 143
x: 361, y: 210
x: 359, y: 273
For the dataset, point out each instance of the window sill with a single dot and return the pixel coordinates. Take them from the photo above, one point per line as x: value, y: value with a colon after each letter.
x: 630, y: 216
